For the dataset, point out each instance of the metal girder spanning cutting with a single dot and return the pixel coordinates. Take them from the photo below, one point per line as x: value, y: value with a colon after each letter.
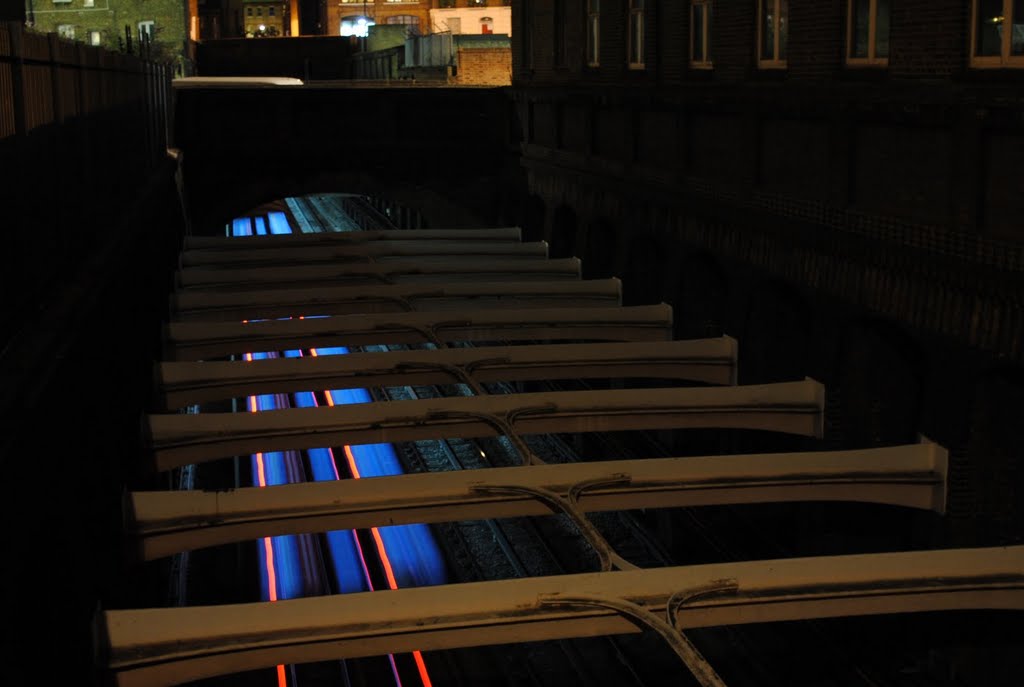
x: 232, y: 243
x: 791, y: 407
x: 711, y: 361
x: 168, y: 646
x: 342, y: 300
x: 467, y: 268
x: 363, y: 252
x: 164, y: 523
x: 202, y: 340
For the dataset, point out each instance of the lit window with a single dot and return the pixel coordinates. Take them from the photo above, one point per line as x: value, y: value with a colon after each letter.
x: 867, y: 33
x: 997, y: 33
x: 700, y: 34
x: 636, y: 34
x: 772, y: 33
x: 487, y: 25
x: 476, y: 3
x: 593, y: 33
x: 88, y: 3
x: 356, y: 26
x: 402, y: 19
x: 94, y: 38
x: 66, y: 31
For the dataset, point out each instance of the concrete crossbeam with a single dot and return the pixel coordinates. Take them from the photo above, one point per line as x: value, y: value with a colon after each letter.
x: 231, y: 243
x: 167, y: 522
x: 205, y: 340
x: 370, y: 251
x: 329, y: 300
x: 181, y: 439
x: 712, y: 361
x: 166, y: 646
x: 467, y: 268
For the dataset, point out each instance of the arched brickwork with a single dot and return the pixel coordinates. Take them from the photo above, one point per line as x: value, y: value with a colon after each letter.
x: 996, y: 466
x: 702, y: 298
x: 644, y: 281
x: 564, y: 226
x: 775, y: 339
x: 435, y: 209
x: 534, y: 219
x: 600, y: 250
x: 880, y: 384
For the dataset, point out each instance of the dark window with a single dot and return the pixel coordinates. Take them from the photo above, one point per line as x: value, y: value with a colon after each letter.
x: 558, y: 45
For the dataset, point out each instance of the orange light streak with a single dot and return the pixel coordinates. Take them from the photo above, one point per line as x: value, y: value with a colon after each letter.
x: 268, y: 548
x: 350, y: 459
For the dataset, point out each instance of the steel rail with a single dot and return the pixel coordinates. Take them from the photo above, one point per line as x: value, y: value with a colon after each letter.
x: 166, y: 522
x: 203, y: 340
x: 330, y: 300
x: 791, y: 407
x: 169, y: 646
x: 467, y: 268
x: 712, y: 361
x: 362, y: 252
x: 226, y: 243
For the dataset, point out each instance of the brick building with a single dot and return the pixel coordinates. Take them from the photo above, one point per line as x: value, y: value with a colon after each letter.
x: 265, y: 19
x: 837, y: 184
x: 347, y: 17
x: 474, y: 17
x: 105, y: 23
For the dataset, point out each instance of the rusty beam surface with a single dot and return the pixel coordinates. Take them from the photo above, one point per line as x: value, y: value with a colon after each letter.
x: 712, y: 361
x: 235, y: 306
x: 371, y: 251
x: 204, y: 340
x: 168, y: 522
x: 182, y: 439
x: 167, y: 646
x: 467, y: 268
x: 231, y: 243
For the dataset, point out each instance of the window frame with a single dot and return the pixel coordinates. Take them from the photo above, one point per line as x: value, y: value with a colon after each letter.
x: 774, y: 62
x: 635, y: 10
x: 150, y: 31
x: 871, y: 60
x: 705, y: 62
x: 593, y: 29
x: 1004, y: 60
x: 98, y: 35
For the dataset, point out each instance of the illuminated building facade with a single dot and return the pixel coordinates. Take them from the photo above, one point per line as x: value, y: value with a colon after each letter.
x: 265, y: 19
x: 351, y: 17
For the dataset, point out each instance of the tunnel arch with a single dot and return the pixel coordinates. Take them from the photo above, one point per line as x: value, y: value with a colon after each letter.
x: 564, y: 227
x: 701, y: 297
x: 534, y: 219
x: 880, y: 384
x: 993, y: 465
x: 774, y: 345
x: 236, y: 196
x: 600, y: 250
x: 643, y: 282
